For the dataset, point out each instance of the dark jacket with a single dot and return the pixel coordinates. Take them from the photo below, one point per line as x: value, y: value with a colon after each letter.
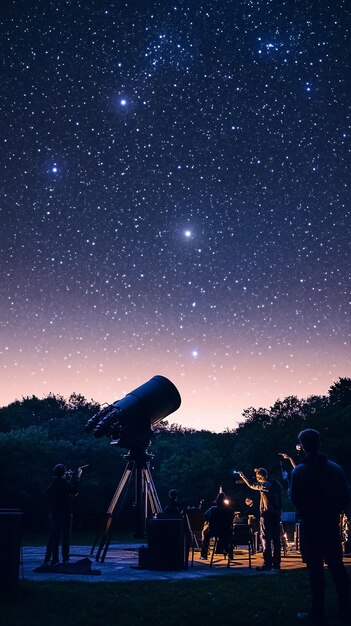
x: 319, y: 489
x: 173, y: 509
x: 220, y: 519
x: 61, y: 494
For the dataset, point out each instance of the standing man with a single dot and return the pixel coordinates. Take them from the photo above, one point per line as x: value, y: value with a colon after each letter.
x: 270, y: 511
x: 319, y: 493
x: 61, y: 494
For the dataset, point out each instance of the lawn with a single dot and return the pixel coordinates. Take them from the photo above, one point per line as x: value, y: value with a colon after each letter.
x: 226, y: 600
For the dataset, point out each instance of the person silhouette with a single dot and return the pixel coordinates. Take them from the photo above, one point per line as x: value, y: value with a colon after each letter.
x: 219, y: 523
x: 319, y: 493
x: 270, y: 513
x: 61, y: 493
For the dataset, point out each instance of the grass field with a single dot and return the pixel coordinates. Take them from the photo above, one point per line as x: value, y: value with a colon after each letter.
x: 234, y: 600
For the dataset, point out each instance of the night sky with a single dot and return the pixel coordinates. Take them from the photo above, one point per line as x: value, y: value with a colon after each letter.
x: 175, y: 200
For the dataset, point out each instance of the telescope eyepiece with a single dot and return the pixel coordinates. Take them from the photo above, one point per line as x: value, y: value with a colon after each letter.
x: 129, y: 420
x: 107, y: 423
x: 96, y: 418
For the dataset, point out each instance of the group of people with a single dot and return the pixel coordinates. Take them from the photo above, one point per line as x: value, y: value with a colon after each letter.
x: 219, y: 520
x: 318, y: 490
x: 320, y: 494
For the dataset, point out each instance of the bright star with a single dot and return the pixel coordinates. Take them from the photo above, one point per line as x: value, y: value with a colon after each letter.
x: 187, y: 233
x: 123, y: 102
x: 195, y: 353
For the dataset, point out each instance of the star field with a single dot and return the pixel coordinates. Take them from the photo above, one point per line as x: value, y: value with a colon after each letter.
x: 175, y: 200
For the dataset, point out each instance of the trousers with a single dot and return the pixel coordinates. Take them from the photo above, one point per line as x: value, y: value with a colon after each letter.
x: 60, y: 531
x: 270, y: 538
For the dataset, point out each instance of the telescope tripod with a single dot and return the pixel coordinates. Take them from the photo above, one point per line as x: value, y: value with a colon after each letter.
x: 145, y: 493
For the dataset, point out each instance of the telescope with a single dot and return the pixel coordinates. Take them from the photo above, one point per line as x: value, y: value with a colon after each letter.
x: 128, y: 421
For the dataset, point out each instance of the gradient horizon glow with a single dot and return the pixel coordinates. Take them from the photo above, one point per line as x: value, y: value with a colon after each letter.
x: 175, y: 200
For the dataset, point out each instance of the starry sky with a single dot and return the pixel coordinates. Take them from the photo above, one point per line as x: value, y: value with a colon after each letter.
x: 175, y: 200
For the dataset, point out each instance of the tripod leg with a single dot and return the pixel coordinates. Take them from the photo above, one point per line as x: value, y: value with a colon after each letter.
x: 97, y: 538
x: 155, y: 503
x: 139, y: 502
x: 124, y: 480
x: 145, y: 492
x: 283, y: 540
x: 104, y: 536
x: 107, y: 542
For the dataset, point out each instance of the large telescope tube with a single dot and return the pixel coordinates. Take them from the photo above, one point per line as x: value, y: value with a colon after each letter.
x: 129, y: 420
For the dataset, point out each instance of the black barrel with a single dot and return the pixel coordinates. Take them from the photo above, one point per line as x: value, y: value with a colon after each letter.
x: 166, y: 544
x: 10, y: 548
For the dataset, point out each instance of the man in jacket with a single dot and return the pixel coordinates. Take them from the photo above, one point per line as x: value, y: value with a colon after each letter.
x: 270, y: 512
x: 319, y: 493
x: 61, y: 493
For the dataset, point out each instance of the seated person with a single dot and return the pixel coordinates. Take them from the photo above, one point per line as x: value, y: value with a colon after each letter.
x: 251, y: 514
x: 248, y: 512
x: 174, y: 507
x: 219, y: 523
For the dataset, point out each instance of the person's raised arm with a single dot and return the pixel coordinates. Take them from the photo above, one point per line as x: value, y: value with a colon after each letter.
x: 247, y: 481
x: 288, y: 458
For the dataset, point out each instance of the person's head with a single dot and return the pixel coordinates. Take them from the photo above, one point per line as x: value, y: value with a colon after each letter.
x: 310, y: 440
x: 173, y: 494
x: 261, y: 474
x: 59, y: 470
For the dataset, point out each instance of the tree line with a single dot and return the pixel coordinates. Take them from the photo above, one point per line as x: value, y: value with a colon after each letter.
x: 35, y: 434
